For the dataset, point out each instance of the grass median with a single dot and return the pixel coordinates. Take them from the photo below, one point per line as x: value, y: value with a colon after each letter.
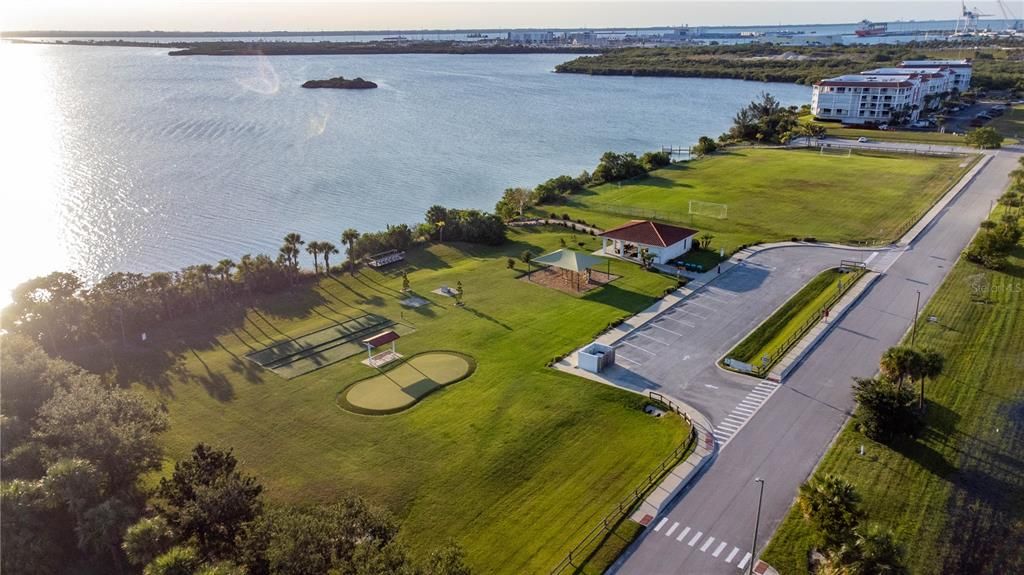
x: 773, y: 338
x: 774, y: 195
x: 954, y: 495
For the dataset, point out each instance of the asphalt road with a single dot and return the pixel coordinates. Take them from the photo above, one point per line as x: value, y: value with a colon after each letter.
x: 709, y: 529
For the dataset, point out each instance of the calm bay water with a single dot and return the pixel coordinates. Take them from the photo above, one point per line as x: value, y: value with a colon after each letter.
x: 127, y: 159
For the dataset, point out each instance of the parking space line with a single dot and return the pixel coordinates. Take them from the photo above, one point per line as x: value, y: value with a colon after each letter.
x: 620, y: 356
x: 718, y: 550
x: 707, y: 544
x: 666, y: 329
x: 671, y: 529
x: 743, y: 563
x: 696, y: 315
x: 638, y: 347
x: 661, y: 524
x: 682, y: 321
x: 696, y: 538
x: 698, y: 304
x: 682, y: 534
x: 732, y: 554
x: 650, y: 338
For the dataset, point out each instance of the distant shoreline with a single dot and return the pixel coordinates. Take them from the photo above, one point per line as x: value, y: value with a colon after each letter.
x: 240, y: 48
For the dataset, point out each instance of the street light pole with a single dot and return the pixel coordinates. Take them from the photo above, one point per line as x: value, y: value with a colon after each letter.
x: 917, y: 309
x: 757, y: 521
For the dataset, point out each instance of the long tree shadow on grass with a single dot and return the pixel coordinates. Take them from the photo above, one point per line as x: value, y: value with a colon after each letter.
x: 160, y: 362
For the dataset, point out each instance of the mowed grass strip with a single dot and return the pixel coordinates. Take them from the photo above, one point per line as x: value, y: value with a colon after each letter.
x: 774, y: 195
x: 955, y: 494
x: 515, y: 463
x: 791, y: 317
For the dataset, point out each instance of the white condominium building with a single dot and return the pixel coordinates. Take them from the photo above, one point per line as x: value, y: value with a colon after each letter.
x: 961, y: 70
x: 867, y: 99
x: 935, y: 82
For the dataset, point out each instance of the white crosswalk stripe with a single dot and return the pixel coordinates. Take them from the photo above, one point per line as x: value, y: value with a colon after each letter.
x: 743, y: 563
x: 718, y: 550
x: 671, y: 529
x: 707, y: 544
x: 661, y: 524
x: 732, y: 554
x: 682, y: 534
x: 695, y: 539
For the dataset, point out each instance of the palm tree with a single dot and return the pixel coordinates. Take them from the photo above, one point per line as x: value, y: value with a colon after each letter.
x: 900, y: 363
x: 327, y: 248
x: 832, y: 505
x: 874, y: 551
x: 314, y: 249
x: 223, y: 269
x: 349, y: 237
x: 932, y: 364
x: 206, y: 271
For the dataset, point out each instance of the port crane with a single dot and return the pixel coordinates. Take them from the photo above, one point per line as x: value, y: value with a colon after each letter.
x: 1012, y: 22
x: 967, y: 23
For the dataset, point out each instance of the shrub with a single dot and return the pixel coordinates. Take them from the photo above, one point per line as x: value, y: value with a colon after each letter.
x: 885, y: 408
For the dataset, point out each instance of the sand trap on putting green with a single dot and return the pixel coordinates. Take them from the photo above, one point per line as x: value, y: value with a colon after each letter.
x: 405, y: 384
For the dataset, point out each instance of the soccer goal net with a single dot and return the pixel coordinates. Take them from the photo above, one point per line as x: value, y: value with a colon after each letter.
x: 709, y: 209
x: 832, y: 151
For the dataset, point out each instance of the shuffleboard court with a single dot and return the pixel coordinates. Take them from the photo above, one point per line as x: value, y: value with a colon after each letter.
x: 399, y: 388
x: 283, y: 349
x: 311, y: 351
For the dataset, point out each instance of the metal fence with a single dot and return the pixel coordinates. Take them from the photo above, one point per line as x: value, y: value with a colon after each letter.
x: 583, y: 550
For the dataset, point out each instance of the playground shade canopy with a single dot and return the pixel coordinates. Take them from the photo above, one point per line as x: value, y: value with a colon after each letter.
x: 569, y: 260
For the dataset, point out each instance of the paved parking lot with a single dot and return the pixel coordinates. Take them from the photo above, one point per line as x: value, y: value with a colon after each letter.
x: 676, y: 352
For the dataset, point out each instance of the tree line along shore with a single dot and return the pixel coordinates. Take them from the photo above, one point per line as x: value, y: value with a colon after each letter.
x: 996, y: 65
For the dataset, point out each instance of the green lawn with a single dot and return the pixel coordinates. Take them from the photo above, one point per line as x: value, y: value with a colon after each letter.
x: 773, y: 195
x: 791, y: 318
x: 1011, y: 123
x: 955, y: 495
x: 516, y: 462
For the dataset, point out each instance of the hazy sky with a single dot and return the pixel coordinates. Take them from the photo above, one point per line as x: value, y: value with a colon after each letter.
x: 235, y: 15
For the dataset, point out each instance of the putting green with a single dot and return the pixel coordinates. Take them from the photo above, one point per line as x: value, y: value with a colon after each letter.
x: 408, y: 382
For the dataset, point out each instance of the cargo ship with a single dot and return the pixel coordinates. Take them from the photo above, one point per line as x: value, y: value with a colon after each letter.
x: 868, y: 28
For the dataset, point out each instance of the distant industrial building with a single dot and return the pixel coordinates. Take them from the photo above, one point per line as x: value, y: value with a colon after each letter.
x: 889, y: 95
x: 531, y: 37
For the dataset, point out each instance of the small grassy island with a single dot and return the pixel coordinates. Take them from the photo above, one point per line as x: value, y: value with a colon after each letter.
x: 340, y: 83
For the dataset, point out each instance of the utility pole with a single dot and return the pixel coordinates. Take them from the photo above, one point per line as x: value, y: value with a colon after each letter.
x: 917, y: 309
x: 753, y: 545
